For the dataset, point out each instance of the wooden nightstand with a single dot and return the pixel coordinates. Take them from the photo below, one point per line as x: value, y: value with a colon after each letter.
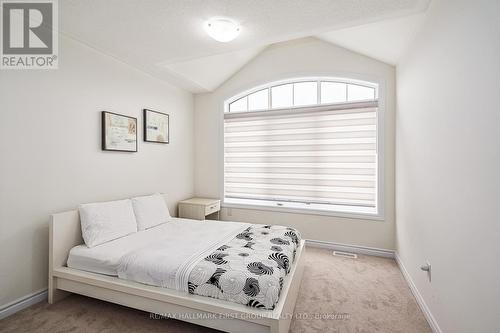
x: 199, y: 208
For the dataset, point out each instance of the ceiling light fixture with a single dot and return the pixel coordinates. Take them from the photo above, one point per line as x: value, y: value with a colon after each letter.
x: 222, y: 29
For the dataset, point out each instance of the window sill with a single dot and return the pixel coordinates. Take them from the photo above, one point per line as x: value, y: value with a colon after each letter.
x: 300, y: 208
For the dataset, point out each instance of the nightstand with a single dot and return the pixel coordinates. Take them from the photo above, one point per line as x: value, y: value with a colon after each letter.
x: 199, y: 208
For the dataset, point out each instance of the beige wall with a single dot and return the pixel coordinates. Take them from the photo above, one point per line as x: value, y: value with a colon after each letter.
x: 304, y: 57
x: 448, y: 159
x: 51, y: 158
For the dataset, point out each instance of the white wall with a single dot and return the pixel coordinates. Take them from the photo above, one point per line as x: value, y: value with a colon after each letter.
x: 51, y: 158
x: 304, y: 57
x: 448, y: 162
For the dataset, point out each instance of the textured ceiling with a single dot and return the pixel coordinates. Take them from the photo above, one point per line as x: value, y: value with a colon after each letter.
x: 165, y: 37
x: 384, y: 40
x: 207, y: 73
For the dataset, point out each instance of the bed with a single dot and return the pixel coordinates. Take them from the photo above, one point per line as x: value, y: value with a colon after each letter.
x: 229, y: 276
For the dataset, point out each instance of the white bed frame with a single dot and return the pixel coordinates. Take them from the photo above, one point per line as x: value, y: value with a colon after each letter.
x: 65, y: 233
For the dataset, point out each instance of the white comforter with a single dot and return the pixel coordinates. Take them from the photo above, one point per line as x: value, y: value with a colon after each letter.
x: 167, y: 262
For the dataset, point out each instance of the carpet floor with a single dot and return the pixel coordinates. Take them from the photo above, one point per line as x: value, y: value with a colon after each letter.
x: 338, y: 295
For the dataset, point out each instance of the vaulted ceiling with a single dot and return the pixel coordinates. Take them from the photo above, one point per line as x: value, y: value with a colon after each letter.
x: 165, y: 38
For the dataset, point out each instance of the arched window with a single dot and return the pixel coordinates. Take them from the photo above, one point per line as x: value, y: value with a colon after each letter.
x: 307, y: 144
x: 303, y: 92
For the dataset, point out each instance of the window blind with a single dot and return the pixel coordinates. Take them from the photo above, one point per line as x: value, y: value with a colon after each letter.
x: 309, y: 155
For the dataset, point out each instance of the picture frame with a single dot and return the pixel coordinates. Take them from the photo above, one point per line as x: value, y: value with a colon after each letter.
x: 118, y: 132
x: 156, y: 126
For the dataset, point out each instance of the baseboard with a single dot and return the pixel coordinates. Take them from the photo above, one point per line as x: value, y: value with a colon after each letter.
x: 22, y: 303
x: 370, y: 251
x: 420, y: 300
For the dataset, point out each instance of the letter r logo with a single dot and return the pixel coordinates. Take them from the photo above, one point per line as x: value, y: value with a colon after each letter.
x: 27, y: 28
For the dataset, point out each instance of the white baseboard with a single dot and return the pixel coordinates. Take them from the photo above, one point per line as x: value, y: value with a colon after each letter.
x: 22, y: 303
x: 420, y: 300
x: 371, y: 251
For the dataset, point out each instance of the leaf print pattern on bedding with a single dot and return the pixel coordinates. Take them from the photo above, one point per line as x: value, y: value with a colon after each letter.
x: 249, y: 269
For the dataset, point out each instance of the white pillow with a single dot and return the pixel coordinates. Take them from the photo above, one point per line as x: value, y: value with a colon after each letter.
x: 105, y: 221
x: 150, y: 211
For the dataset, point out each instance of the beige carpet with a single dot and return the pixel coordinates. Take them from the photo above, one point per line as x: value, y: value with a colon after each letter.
x: 337, y: 295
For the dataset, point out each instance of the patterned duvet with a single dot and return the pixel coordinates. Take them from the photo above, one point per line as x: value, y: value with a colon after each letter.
x: 249, y: 269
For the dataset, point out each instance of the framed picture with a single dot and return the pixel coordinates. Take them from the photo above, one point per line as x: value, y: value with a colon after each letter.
x: 156, y: 126
x: 119, y: 132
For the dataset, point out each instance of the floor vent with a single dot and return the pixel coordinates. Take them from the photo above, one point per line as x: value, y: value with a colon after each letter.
x: 345, y: 254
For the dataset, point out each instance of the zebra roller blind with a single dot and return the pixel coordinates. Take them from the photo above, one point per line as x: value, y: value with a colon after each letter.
x: 321, y: 155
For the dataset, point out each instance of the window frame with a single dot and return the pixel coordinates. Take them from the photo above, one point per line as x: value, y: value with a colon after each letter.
x: 343, y: 211
x: 269, y: 86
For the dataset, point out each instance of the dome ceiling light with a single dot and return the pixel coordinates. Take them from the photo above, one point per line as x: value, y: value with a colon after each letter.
x: 222, y: 29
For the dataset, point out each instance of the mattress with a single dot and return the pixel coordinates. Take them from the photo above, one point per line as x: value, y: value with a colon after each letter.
x: 105, y: 258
